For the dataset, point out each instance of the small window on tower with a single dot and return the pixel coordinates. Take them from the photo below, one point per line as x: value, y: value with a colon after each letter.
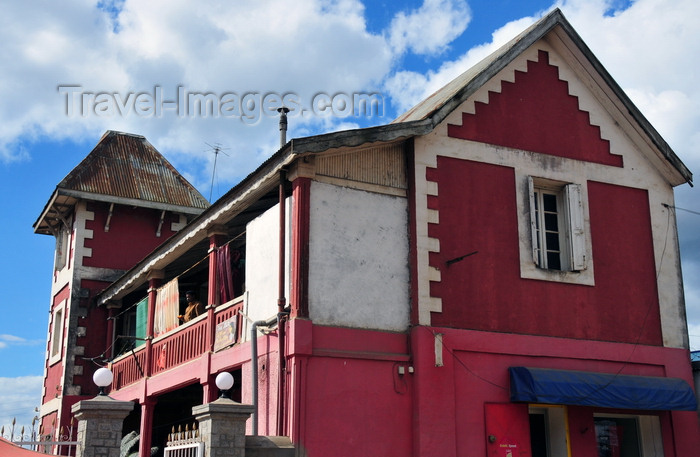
x: 62, y: 247
x: 57, y: 324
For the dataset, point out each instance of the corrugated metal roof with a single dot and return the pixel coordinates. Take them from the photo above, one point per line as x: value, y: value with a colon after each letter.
x: 128, y: 166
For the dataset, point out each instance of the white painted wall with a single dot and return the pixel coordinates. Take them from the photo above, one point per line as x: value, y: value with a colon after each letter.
x: 358, y: 259
x: 262, y: 265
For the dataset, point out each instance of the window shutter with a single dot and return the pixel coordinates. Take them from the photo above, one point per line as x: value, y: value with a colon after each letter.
x: 576, y: 227
x: 533, y: 219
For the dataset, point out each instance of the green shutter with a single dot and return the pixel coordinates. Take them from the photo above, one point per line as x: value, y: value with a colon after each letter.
x: 141, y: 318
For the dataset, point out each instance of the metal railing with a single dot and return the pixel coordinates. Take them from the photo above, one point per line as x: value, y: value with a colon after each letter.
x: 61, y: 442
x: 184, y: 443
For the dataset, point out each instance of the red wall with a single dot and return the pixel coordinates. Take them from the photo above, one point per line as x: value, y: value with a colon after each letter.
x: 132, y: 235
x: 95, y: 340
x: 48, y: 424
x: 536, y: 113
x: 477, y: 205
x: 54, y: 373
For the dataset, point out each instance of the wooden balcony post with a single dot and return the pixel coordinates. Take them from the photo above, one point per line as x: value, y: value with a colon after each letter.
x: 217, y: 236
x: 155, y: 278
x: 300, y: 176
x: 146, y: 430
x: 111, y: 312
x: 300, y: 248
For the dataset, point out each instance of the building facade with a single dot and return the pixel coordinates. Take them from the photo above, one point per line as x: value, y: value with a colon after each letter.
x: 496, y: 272
x: 116, y: 206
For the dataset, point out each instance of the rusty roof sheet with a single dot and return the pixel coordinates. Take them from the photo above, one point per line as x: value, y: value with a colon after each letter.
x: 127, y: 166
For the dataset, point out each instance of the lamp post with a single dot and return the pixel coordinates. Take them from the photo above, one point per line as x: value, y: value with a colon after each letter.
x: 224, y: 381
x: 102, y: 378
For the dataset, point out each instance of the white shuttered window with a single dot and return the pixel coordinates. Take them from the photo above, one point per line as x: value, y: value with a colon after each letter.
x: 557, y: 225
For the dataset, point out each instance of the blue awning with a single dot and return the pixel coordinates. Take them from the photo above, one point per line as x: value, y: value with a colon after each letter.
x: 563, y: 387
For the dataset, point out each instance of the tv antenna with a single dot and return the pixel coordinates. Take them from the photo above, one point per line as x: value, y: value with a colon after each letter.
x: 216, y: 149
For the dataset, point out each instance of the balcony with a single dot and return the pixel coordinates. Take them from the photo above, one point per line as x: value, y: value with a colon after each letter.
x: 176, y: 347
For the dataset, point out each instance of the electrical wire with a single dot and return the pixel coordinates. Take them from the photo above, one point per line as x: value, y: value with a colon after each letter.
x: 697, y: 213
x: 464, y: 365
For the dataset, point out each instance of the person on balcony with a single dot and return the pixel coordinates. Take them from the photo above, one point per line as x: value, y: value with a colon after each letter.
x: 194, y: 307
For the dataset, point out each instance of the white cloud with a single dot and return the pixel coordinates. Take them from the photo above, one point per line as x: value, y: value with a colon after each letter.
x: 407, y: 88
x: 241, y: 47
x: 430, y: 28
x: 18, y: 397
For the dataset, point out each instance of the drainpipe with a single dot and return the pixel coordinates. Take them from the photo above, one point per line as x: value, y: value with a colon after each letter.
x: 254, y: 362
x: 282, y: 300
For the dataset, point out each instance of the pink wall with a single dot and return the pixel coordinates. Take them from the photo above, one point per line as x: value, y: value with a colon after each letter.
x: 351, y: 399
x: 477, y: 205
x: 132, y: 235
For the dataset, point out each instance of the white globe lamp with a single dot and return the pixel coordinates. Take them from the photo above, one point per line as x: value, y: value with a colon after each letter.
x: 102, y: 378
x: 224, y: 381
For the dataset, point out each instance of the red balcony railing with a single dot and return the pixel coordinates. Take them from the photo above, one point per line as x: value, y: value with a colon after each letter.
x: 129, y: 368
x: 180, y: 345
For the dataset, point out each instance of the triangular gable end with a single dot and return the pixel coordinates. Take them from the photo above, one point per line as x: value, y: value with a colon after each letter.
x: 536, y: 113
x: 560, y: 37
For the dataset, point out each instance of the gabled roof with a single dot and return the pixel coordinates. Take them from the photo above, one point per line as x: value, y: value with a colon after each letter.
x: 440, y: 104
x: 126, y: 169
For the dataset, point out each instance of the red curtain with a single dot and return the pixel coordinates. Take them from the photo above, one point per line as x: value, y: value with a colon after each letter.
x: 225, y: 274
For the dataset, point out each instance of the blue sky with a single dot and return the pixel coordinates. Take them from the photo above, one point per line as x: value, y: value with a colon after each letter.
x: 401, y: 50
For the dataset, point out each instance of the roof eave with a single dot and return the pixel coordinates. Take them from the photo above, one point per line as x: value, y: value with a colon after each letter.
x: 130, y: 201
x: 358, y: 137
x: 44, y: 213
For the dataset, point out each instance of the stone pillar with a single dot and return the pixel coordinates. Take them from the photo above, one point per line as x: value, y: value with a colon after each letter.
x: 100, y: 426
x: 222, y: 427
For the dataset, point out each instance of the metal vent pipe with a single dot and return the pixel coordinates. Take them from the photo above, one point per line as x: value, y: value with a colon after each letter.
x: 283, y: 124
